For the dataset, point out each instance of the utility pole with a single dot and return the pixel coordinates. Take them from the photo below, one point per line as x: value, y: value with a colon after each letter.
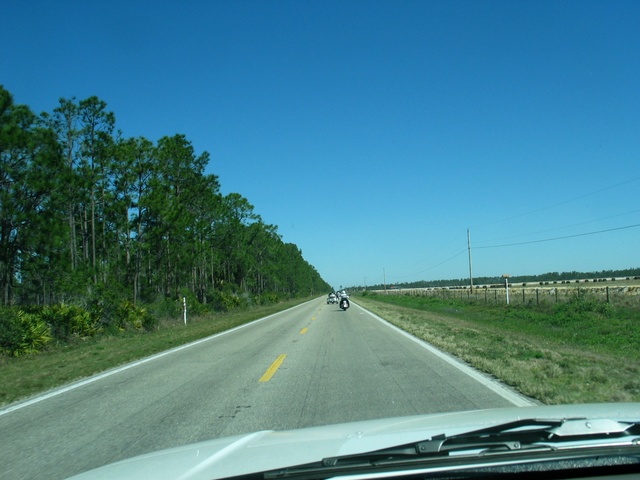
x: 470, y: 269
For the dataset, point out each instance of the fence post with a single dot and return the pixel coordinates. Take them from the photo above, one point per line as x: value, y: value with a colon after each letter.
x: 607, y: 293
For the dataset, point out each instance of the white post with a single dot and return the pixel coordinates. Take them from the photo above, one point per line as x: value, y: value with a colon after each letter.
x: 184, y: 309
x: 506, y: 285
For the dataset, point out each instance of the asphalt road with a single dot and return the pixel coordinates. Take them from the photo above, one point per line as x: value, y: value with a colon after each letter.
x: 311, y: 365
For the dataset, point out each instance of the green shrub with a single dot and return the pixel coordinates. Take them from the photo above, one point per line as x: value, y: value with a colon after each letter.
x: 37, y: 334
x: 164, y: 307
x: 128, y: 315
x: 224, y: 301
x: 11, y: 330
x: 69, y: 320
x: 148, y: 321
x: 194, y: 307
x: 103, y: 302
x: 268, y: 298
x: 124, y: 315
x: 22, y: 333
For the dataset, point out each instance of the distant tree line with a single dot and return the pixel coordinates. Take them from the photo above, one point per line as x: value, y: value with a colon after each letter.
x: 86, y: 212
x: 544, y: 277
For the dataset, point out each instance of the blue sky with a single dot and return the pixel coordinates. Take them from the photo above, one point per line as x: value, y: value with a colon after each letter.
x: 375, y: 133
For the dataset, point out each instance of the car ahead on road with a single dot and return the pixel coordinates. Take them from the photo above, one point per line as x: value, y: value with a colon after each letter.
x: 564, y: 441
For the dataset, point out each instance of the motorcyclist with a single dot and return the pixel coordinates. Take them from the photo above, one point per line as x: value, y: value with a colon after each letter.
x: 344, y: 300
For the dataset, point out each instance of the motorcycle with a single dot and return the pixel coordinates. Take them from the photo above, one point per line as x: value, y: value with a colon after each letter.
x: 344, y: 303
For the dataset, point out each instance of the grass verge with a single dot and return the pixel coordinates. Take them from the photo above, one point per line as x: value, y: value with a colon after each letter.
x: 552, y: 356
x: 29, y: 375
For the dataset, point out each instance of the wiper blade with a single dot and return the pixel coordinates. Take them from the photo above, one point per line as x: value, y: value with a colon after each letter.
x: 527, y: 435
x: 504, y: 437
x: 515, y: 435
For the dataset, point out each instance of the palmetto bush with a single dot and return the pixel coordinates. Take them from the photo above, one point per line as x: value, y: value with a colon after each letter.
x: 128, y: 315
x: 69, y: 320
x: 267, y: 298
x: 22, y: 333
x: 225, y: 301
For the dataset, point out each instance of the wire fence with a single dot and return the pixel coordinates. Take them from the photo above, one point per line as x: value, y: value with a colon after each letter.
x: 527, y: 294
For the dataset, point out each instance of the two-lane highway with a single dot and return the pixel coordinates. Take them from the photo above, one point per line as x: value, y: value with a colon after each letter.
x: 311, y: 365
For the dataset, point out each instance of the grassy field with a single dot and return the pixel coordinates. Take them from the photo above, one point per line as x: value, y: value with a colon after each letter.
x: 575, y: 352
x: 621, y: 292
x: 25, y: 376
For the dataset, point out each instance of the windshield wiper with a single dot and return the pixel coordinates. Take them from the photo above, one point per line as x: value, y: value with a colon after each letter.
x: 522, y: 436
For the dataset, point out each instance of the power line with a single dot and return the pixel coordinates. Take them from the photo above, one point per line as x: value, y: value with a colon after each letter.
x: 561, y: 238
x: 434, y: 266
x: 558, y: 204
x: 562, y: 227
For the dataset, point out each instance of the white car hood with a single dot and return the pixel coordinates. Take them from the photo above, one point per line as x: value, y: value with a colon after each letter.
x: 270, y: 450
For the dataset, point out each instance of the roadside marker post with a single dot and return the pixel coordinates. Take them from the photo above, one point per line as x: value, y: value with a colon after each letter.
x: 184, y: 309
x: 506, y: 285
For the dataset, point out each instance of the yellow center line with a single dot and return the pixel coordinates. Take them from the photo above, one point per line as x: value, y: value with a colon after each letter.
x: 304, y: 330
x: 313, y: 318
x: 273, y: 368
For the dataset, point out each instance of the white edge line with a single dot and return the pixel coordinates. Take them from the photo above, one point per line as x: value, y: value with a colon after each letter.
x: 108, y: 373
x: 506, y: 393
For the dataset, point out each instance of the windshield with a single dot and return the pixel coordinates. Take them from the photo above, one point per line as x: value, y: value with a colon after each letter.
x: 220, y: 218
